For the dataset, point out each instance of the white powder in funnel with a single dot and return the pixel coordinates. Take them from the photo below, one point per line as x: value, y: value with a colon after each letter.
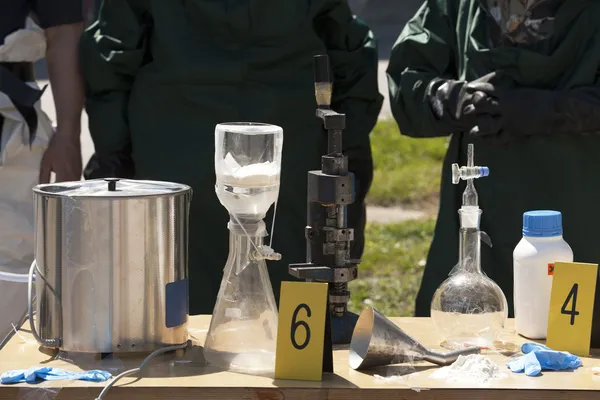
x: 473, y: 368
x: 258, y: 174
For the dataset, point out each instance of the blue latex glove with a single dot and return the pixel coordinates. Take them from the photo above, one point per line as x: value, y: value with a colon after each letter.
x: 538, y: 357
x: 35, y: 374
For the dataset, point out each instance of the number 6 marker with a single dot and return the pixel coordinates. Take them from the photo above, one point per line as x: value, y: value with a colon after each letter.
x: 303, y: 324
x: 303, y: 338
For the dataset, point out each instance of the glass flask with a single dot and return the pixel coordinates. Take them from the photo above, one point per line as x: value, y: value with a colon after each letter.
x: 243, y: 330
x: 469, y: 309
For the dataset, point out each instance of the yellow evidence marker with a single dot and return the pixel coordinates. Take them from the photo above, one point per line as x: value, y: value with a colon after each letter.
x: 572, y: 307
x: 303, y: 337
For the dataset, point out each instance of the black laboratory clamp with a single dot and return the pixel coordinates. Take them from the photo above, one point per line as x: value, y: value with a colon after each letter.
x: 328, y: 237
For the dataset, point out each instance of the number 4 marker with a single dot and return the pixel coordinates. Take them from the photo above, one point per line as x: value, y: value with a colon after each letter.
x: 572, y: 307
x: 573, y: 312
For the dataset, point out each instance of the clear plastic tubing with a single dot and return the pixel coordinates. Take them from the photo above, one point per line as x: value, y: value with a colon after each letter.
x: 17, y: 278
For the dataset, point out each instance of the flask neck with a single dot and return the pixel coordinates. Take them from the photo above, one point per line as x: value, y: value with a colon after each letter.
x: 246, y: 237
x: 470, y: 250
x: 470, y: 197
x: 238, y: 239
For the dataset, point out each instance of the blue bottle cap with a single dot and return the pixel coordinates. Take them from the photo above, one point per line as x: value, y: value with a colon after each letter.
x: 542, y: 223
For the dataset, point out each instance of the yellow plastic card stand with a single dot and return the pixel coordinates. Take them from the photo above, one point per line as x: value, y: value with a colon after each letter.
x: 304, y: 347
x: 572, y: 307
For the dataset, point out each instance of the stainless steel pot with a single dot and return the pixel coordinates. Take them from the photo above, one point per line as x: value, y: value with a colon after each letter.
x: 111, y: 260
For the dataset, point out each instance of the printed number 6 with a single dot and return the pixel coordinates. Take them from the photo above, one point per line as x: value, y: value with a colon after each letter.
x: 296, y: 324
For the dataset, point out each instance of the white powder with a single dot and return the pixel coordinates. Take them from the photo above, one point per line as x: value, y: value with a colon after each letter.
x: 233, y: 172
x: 396, y: 379
x: 389, y: 379
x: 474, y: 368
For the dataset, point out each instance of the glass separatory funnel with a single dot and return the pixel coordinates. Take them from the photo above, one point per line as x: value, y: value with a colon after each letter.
x: 243, y: 330
x: 469, y: 309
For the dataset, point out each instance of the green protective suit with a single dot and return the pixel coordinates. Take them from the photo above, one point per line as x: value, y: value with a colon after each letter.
x: 160, y: 75
x: 554, y: 167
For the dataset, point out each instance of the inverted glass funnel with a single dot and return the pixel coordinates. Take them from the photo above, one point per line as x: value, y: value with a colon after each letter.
x: 243, y: 329
x: 248, y: 167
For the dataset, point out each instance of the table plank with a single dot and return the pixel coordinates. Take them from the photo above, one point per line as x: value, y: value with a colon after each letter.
x: 186, y: 375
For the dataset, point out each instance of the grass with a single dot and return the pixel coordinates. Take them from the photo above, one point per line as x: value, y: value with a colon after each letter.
x: 407, y: 170
x: 407, y: 173
x: 393, y: 261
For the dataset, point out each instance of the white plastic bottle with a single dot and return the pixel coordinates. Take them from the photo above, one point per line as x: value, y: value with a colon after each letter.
x: 534, y: 257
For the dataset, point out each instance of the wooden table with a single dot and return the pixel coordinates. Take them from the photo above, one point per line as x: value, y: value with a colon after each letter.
x: 185, y: 375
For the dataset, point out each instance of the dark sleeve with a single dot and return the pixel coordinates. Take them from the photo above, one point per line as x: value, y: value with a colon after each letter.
x: 112, y: 50
x: 425, y: 49
x: 573, y: 110
x: 352, y: 51
x: 565, y: 112
x: 51, y: 13
x: 579, y: 109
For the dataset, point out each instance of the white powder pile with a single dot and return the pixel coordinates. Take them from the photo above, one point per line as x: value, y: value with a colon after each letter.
x: 259, y: 173
x: 474, y: 368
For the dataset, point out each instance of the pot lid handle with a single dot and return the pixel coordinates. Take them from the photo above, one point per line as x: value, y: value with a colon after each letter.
x: 112, y: 184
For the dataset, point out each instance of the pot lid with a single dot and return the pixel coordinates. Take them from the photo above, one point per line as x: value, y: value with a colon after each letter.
x: 110, y: 188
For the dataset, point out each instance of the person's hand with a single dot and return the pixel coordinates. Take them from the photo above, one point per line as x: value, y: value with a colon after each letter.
x: 110, y: 165
x: 63, y: 157
x: 486, y: 124
x: 522, y: 112
x: 460, y: 106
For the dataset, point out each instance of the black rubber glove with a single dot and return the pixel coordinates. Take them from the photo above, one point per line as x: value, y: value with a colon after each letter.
x: 449, y: 101
x: 530, y: 111
x: 110, y: 166
x: 521, y: 111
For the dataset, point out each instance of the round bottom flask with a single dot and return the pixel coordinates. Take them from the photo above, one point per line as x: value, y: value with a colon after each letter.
x: 469, y: 309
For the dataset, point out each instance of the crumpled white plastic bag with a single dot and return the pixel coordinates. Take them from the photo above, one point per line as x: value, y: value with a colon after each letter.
x: 19, y: 173
x: 28, y: 44
x: 20, y: 161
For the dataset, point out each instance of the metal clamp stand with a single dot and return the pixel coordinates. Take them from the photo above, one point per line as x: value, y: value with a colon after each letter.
x: 330, y: 191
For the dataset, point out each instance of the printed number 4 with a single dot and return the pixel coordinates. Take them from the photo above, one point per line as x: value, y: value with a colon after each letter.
x: 297, y: 324
x: 572, y: 312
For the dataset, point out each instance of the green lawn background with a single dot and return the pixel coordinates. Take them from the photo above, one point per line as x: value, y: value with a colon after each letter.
x: 407, y: 174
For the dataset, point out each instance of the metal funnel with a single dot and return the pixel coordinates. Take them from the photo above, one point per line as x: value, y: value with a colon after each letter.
x: 377, y: 341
